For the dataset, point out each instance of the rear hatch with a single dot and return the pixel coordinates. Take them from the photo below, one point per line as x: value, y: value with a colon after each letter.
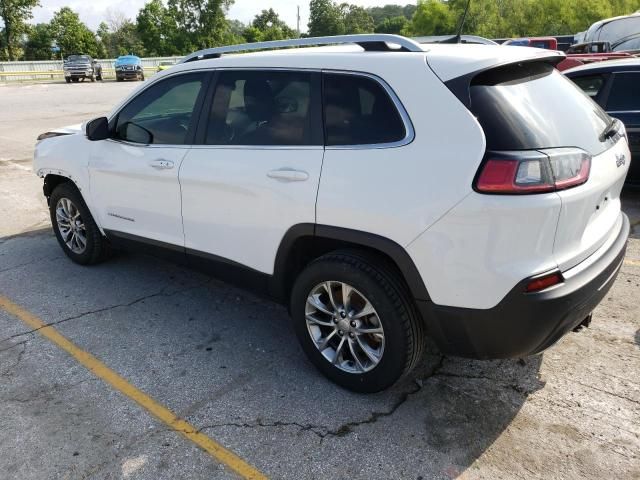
x: 530, y: 111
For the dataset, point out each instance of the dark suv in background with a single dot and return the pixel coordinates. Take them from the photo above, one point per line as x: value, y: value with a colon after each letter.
x: 129, y: 67
x: 615, y: 86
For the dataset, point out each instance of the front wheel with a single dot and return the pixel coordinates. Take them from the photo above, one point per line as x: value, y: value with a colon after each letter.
x: 356, y: 322
x: 75, y: 229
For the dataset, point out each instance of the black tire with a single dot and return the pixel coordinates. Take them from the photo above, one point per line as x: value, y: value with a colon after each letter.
x: 142, y: 77
x: 97, y: 247
x: 68, y: 80
x: 403, y: 327
x: 75, y: 80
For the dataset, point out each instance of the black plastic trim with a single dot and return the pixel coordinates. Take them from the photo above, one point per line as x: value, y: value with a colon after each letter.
x: 526, y: 323
x: 392, y: 249
x: 274, y: 286
x: 460, y: 86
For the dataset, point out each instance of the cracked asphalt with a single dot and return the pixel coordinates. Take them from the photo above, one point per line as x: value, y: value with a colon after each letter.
x: 228, y: 363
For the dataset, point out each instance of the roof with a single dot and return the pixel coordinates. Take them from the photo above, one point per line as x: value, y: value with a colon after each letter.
x: 605, y: 66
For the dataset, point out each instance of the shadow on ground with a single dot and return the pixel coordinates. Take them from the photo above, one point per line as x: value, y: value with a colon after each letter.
x: 229, y: 362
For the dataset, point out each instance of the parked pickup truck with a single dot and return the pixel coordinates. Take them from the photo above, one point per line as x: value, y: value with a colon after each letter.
x: 79, y: 67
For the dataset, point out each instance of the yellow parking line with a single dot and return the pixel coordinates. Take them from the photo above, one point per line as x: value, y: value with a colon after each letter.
x: 632, y: 262
x: 165, y: 415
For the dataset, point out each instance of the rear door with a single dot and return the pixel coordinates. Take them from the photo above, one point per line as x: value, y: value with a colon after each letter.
x: 134, y: 174
x: 256, y: 170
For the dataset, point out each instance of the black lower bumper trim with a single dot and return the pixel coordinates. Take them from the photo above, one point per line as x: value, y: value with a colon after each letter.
x: 526, y: 323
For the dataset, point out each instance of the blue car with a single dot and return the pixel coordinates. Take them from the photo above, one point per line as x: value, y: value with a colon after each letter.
x: 614, y: 86
x: 129, y: 67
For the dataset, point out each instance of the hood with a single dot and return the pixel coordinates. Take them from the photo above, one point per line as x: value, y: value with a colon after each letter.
x: 71, y: 129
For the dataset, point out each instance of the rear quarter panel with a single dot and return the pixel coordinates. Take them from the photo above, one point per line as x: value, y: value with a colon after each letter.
x: 399, y: 192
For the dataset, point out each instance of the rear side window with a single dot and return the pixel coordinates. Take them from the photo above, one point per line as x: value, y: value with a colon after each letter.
x: 263, y: 108
x: 531, y: 105
x: 591, y: 85
x: 359, y: 111
x: 625, y: 92
x: 162, y: 113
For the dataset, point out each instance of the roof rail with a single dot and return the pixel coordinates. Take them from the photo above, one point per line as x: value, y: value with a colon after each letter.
x: 372, y: 42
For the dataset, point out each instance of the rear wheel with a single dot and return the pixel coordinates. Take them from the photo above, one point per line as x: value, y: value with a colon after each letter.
x: 356, y: 322
x: 75, y: 229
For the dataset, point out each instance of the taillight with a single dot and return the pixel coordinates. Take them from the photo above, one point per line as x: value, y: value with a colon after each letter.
x: 544, y: 282
x: 533, y: 171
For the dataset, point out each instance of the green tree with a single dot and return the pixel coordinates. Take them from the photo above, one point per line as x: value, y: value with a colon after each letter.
x: 200, y: 23
x: 432, y: 17
x: 267, y: 25
x: 393, y: 25
x: 325, y: 18
x: 14, y: 15
x: 329, y: 18
x: 71, y: 35
x: 356, y: 19
x: 381, y: 14
x: 157, y: 30
x: 38, y: 46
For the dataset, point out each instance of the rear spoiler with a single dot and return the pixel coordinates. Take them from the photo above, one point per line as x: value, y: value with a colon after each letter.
x: 460, y: 86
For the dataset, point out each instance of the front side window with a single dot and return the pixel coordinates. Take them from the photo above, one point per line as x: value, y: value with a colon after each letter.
x: 590, y: 84
x: 162, y: 113
x: 263, y: 108
x: 625, y: 93
x: 358, y: 111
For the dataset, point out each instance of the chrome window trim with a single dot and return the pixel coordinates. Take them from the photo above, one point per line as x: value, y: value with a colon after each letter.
x: 406, y: 120
x: 622, y: 111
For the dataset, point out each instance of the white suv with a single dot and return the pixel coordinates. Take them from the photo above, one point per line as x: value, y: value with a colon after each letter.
x: 382, y: 189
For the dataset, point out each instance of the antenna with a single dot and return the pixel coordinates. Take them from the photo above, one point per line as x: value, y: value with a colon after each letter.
x: 457, y: 38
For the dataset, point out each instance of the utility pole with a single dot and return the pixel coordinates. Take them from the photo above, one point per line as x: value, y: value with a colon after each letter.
x: 298, y: 21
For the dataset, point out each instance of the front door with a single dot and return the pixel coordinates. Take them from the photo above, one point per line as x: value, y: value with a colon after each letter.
x: 134, y: 175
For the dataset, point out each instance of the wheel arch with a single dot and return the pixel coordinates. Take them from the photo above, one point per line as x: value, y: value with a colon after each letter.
x: 304, y: 243
x: 52, y: 180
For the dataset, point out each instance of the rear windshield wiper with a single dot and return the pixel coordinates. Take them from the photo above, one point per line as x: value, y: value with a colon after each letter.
x: 610, y: 130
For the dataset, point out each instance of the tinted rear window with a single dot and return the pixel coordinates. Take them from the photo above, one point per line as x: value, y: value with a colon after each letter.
x: 358, y: 111
x: 532, y: 105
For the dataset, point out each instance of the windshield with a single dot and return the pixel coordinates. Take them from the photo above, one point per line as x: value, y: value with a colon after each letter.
x: 532, y: 106
x: 616, y: 29
x: 127, y: 60
x: 78, y: 58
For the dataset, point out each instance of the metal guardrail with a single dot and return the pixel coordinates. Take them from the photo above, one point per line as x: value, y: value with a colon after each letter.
x: 52, y: 69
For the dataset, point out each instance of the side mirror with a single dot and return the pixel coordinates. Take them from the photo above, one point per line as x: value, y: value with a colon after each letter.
x: 98, y: 129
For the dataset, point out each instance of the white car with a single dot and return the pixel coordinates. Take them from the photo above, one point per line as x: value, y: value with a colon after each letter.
x: 381, y: 189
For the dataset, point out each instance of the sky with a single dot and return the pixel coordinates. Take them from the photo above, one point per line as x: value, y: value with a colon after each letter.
x: 92, y: 12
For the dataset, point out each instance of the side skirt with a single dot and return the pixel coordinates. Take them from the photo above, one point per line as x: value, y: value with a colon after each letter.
x: 221, y: 268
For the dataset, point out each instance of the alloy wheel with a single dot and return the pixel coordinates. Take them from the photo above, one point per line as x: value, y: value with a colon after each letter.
x: 71, y: 226
x: 344, y: 327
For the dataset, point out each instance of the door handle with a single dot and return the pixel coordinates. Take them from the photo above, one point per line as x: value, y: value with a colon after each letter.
x: 162, y: 164
x: 288, y: 175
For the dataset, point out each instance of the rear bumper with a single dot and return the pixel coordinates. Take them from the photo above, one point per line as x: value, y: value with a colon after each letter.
x: 527, y: 323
